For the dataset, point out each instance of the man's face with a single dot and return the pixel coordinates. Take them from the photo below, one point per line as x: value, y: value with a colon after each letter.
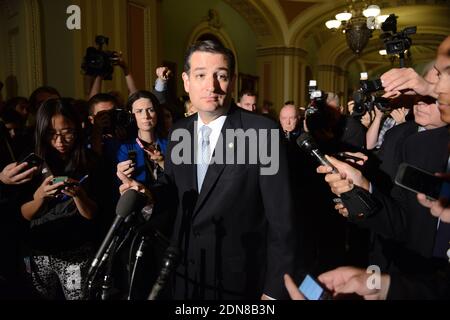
x: 103, y: 106
x: 288, y: 118
x: 99, y: 107
x: 426, y: 114
x: 248, y: 103
x: 209, y: 82
x: 443, y: 85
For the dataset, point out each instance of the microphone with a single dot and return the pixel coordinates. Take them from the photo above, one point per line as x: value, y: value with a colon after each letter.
x: 170, y: 262
x: 306, y: 142
x: 358, y: 201
x: 129, y: 202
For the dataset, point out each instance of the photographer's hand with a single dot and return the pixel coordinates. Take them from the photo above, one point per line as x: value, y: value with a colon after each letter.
x: 163, y: 73
x: 407, y: 81
x: 345, y: 280
x: 438, y: 208
x: 156, y: 156
x: 128, y: 183
x: 120, y: 61
x: 292, y: 288
x: 86, y: 207
x: 126, y: 168
x: 45, y: 190
x: 399, y: 115
x: 12, y: 175
x: 347, y: 177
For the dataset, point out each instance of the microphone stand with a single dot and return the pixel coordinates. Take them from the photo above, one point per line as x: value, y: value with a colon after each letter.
x: 139, y: 254
x: 92, y: 276
x: 170, y: 262
x: 107, y: 277
x: 162, y: 240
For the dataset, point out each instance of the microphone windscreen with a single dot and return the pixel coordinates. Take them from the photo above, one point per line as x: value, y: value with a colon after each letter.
x: 129, y: 202
x: 306, y: 142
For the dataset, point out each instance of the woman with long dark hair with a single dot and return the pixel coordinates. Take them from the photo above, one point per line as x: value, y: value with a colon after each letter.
x: 60, y: 204
x: 143, y: 157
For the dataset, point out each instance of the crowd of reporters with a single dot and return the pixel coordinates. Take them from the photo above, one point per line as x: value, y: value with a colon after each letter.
x: 48, y: 240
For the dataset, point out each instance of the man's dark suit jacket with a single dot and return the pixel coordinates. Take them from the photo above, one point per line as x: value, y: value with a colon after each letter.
x: 235, y: 236
x: 405, y: 230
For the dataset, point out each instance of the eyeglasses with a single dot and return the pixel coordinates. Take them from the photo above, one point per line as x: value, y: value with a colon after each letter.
x: 66, y: 135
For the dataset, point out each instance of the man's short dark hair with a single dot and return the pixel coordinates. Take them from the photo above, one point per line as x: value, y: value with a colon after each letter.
x: 212, y: 47
x: 101, y: 97
x: 246, y: 92
x: 289, y: 102
x: 35, y: 94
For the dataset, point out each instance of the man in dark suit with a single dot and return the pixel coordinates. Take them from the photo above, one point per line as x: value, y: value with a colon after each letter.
x: 233, y: 218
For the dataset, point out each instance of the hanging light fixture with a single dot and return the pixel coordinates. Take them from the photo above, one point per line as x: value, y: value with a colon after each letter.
x: 358, y: 23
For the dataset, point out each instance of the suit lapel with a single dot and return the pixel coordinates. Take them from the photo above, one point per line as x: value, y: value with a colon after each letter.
x: 191, y: 173
x: 215, y: 170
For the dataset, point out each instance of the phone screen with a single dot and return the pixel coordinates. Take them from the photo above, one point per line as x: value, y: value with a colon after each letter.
x: 311, y: 289
x: 418, y: 180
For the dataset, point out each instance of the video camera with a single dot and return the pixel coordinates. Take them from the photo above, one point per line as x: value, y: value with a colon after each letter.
x: 364, y: 98
x: 119, y: 118
x: 98, y: 62
x: 317, y: 98
x: 396, y: 43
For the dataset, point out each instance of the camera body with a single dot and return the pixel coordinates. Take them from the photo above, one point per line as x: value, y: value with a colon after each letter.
x: 98, y: 62
x: 317, y: 98
x: 364, y: 97
x: 119, y: 118
x: 396, y: 43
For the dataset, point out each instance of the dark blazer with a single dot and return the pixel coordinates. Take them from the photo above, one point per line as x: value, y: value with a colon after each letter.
x: 235, y: 235
x: 405, y: 230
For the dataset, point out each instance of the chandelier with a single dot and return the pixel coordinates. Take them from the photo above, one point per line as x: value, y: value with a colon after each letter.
x: 357, y: 23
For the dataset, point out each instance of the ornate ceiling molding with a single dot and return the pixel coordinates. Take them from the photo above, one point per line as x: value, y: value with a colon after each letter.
x: 398, y: 3
x: 281, y: 51
x: 254, y: 18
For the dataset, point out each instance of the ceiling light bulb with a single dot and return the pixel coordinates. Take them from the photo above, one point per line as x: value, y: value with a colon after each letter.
x: 372, y: 11
x: 333, y: 24
x: 343, y: 16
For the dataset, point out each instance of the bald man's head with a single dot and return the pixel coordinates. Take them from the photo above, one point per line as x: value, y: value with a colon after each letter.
x: 289, y: 116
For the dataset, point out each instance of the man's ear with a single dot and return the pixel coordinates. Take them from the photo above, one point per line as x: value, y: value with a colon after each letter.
x: 91, y: 119
x: 185, y: 77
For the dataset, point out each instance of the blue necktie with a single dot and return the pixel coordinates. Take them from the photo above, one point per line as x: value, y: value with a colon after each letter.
x: 205, y: 152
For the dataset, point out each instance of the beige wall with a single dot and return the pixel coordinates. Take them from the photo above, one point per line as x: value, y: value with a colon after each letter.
x: 20, y: 55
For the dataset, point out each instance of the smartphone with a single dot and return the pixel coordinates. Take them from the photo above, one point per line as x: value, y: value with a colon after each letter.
x: 33, y: 160
x: 313, y: 290
x: 132, y: 155
x: 57, y: 180
x: 419, y: 181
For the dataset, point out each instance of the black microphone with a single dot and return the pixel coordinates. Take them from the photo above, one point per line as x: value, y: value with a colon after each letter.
x: 306, y: 142
x: 129, y: 202
x: 170, y: 262
x: 358, y: 201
